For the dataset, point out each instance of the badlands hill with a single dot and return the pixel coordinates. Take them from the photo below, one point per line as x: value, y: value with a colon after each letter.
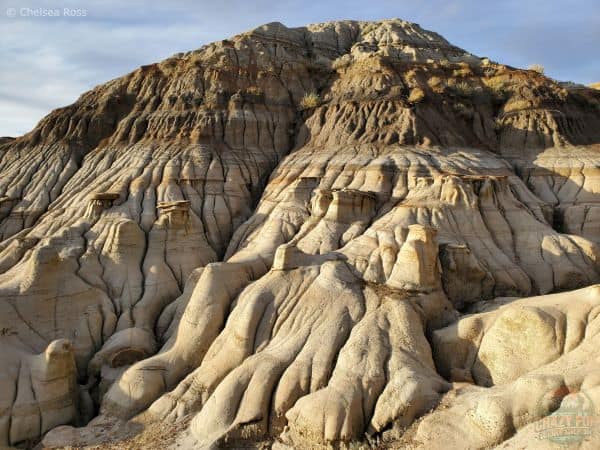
x: 350, y: 234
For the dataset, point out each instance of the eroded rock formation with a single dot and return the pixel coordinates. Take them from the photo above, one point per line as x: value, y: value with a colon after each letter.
x: 311, y: 236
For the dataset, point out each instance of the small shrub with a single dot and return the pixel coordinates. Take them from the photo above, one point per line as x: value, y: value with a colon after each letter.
x: 536, y: 68
x: 463, y: 89
x: 310, y: 100
x: 416, y: 95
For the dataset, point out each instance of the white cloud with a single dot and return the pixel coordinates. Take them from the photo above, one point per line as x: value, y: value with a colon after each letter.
x: 46, y: 63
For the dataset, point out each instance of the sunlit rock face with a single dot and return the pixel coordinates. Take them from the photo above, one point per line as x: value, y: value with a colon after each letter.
x: 308, y: 236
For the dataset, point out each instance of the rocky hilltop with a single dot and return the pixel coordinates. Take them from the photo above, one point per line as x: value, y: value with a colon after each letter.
x: 350, y: 234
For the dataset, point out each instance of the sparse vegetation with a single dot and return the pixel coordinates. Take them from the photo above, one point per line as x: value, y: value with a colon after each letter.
x: 310, y: 100
x: 386, y: 148
x: 463, y: 89
x: 537, y: 68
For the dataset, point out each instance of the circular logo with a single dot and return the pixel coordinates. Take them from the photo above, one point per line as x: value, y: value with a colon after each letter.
x: 572, y: 419
x: 11, y: 12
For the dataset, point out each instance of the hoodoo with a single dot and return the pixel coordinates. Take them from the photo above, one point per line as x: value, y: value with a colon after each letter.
x: 349, y: 234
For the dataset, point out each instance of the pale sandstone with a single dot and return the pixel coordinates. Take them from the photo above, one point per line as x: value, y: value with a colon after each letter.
x: 223, y: 253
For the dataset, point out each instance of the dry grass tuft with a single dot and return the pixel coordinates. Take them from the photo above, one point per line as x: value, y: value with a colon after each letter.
x: 310, y: 100
x: 537, y: 68
x: 463, y: 89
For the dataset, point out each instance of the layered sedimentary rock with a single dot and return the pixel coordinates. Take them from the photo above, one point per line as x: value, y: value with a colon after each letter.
x: 311, y: 236
x: 567, y: 179
x: 38, y: 391
x: 537, y: 354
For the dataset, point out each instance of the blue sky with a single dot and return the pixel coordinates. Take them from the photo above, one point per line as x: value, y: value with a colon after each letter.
x: 47, y: 62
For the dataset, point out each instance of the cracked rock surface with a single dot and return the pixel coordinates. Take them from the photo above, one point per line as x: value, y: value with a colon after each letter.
x: 348, y: 235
